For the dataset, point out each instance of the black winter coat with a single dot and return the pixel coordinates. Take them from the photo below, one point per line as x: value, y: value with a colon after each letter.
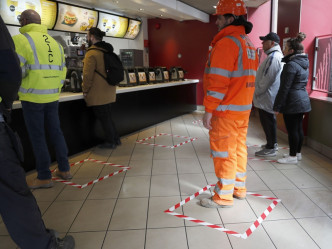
x: 292, y: 96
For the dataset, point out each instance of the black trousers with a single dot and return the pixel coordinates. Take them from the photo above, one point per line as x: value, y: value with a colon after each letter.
x: 269, y: 124
x: 18, y: 207
x: 294, y: 128
x: 104, y: 114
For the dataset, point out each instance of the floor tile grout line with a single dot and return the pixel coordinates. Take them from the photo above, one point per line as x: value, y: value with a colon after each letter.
x: 109, y: 223
x: 177, y: 171
x: 55, y: 199
x: 85, y: 199
x: 148, y: 206
x: 222, y: 222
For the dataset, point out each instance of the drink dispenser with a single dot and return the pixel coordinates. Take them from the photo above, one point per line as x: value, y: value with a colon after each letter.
x: 130, y: 78
x: 162, y: 75
x: 176, y: 74
x: 141, y: 75
x: 151, y: 72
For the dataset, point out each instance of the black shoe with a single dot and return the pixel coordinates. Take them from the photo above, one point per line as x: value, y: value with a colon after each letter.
x: 66, y: 242
x: 107, y: 145
x: 118, y: 142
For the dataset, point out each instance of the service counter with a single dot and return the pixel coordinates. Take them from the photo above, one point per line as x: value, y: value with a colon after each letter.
x: 135, y: 108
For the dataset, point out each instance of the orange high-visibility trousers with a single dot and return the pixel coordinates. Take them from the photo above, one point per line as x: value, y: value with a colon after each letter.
x: 229, y: 152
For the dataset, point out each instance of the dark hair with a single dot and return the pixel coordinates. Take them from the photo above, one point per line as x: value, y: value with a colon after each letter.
x: 240, y: 20
x: 97, y: 33
x: 296, y: 43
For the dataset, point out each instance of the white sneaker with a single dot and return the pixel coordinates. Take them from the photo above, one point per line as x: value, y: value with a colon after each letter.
x: 288, y: 160
x: 298, y: 155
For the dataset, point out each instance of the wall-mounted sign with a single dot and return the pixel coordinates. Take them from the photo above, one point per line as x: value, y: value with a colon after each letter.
x: 10, y: 11
x: 75, y: 19
x: 133, y: 29
x: 113, y: 25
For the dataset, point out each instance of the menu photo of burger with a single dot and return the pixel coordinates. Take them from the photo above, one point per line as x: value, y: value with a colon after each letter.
x: 69, y: 18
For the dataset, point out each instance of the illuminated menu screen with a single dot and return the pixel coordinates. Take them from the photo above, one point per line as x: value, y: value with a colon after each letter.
x: 75, y: 19
x: 133, y: 29
x: 112, y: 25
x: 10, y: 11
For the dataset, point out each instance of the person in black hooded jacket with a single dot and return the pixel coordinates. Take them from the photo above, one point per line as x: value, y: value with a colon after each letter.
x: 292, y: 99
x: 18, y: 207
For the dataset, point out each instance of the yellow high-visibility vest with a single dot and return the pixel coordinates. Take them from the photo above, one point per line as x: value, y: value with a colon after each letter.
x: 43, y: 64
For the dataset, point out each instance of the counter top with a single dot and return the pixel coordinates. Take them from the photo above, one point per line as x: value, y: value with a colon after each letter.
x: 69, y: 96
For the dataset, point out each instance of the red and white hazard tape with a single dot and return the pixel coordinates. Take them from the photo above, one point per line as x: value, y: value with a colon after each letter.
x: 190, y: 139
x: 124, y: 168
x: 244, y: 235
x: 197, y: 122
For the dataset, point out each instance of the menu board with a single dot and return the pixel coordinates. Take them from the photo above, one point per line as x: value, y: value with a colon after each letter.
x: 10, y: 11
x: 113, y: 25
x: 75, y: 19
x: 133, y: 29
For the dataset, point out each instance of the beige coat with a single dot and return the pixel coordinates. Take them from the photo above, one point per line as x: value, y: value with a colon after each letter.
x: 96, y: 89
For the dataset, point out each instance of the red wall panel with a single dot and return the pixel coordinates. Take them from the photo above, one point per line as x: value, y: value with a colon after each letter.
x: 169, y: 38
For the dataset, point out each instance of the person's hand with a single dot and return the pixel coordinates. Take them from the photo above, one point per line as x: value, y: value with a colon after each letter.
x: 207, y: 120
x: 84, y: 94
x: 276, y: 113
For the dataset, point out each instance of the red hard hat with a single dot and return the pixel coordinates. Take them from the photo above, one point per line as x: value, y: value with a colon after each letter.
x: 235, y: 7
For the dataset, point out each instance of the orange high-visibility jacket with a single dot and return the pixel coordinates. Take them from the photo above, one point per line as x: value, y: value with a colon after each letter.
x: 230, y: 72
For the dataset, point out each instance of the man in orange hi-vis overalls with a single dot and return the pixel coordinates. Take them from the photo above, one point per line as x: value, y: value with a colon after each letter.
x: 229, y: 84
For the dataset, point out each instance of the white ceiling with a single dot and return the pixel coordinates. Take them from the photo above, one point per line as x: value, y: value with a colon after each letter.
x: 173, y: 9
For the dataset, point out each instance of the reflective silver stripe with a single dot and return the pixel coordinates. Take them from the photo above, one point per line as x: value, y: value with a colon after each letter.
x: 24, y: 67
x: 240, y: 184
x: 22, y: 59
x: 248, y: 72
x: 226, y: 181
x: 215, y: 95
x: 222, y: 154
x: 218, y: 71
x: 39, y: 91
x: 223, y: 192
x: 45, y: 67
x: 33, y: 47
x: 62, y: 82
x: 240, y: 72
x: 241, y: 175
x: 62, y: 62
x: 239, y: 108
x: 1, y: 118
x: 251, y: 54
x: 37, y: 65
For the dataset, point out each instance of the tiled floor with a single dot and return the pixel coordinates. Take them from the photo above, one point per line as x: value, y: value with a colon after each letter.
x: 126, y: 210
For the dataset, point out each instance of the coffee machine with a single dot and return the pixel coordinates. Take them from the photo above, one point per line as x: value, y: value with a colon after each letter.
x: 72, y: 45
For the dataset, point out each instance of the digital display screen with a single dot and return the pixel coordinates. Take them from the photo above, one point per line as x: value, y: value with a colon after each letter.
x: 75, y: 19
x: 10, y: 11
x: 112, y: 25
x: 133, y: 29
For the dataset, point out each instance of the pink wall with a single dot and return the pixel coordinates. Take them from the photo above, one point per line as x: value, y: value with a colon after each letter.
x: 315, y: 21
x: 261, y: 18
x: 191, y: 39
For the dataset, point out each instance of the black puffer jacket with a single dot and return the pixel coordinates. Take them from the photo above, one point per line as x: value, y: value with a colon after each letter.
x: 292, y: 96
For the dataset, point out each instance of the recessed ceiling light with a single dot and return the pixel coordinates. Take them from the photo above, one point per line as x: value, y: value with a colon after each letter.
x: 141, y: 9
x: 161, y: 15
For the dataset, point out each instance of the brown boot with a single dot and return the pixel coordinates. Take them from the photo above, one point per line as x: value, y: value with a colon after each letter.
x: 65, y: 175
x: 37, y: 183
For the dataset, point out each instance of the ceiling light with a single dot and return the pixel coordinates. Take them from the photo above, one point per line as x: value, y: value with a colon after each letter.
x: 141, y: 9
x: 215, y: 6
